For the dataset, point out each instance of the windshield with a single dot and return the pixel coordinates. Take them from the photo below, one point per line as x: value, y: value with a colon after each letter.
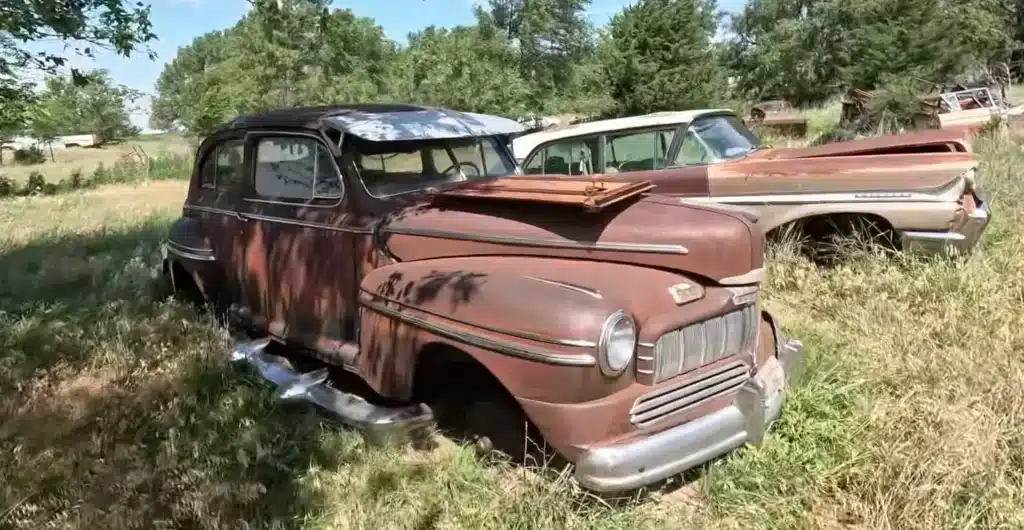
x: 393, y: 168
x: 713, y: 139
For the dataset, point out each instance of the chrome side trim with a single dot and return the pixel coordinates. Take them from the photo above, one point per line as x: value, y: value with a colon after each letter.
x: 306, y: 224
x: 578, y: 343
x: 546, y: 243
x: 208, y: 209
x: 188, y: 255
x: 754, y: 276
x: 273, y: 219
x: 571, y: 286
x: 514, y: 350
x: 947, y: 192
x: 188, y: 248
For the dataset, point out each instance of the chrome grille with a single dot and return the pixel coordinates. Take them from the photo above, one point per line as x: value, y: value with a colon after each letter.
x: 682, y: 350
x: 687, y: 394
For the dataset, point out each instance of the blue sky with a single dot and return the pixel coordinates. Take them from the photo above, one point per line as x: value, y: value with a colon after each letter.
x: 177, y: 22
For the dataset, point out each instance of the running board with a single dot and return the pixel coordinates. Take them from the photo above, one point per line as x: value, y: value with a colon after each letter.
x: 380, y: 425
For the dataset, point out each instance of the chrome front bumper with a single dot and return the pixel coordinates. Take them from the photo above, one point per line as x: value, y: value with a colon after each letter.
x: 962, y: 240
x: 635, y: 464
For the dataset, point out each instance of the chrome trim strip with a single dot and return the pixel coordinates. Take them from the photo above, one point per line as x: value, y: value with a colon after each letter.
x: 186, y: 247
x: 578, y: 343
x: 546, y: 243
x: 571, y: 286
x: 282, y: 220
x: 523, y: 352
x: 949, y: 191
x: 208, y: 209
x: 754, y: 276
x: 306, y: 224
x: 645, y: 345
x: 190, y: 255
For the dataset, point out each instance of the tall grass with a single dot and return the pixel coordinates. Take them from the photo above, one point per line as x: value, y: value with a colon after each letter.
x: 117, y: 409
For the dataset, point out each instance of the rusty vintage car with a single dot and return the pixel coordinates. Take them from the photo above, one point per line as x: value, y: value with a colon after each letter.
x: 917, y: 191
x: 388, y: 244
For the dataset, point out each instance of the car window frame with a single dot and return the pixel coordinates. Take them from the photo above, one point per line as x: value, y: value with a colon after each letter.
x: 602, y: 137
x: 210, y: 153
x: 252, y: 139
x: 675, y: 130
x: 499, y: 146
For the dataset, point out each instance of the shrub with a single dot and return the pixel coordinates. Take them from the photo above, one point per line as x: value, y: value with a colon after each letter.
x: 75, y: 181
x: 36, y: 183
x: 29, y: 156
x: 7, y: 187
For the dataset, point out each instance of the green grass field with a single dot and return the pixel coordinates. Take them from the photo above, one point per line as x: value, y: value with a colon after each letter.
x: 118, y: 410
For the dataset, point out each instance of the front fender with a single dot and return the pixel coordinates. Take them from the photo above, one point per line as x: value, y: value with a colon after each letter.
x: 537, y: 336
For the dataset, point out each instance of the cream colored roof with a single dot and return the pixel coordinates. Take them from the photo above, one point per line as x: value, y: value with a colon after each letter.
x: 522, y: 145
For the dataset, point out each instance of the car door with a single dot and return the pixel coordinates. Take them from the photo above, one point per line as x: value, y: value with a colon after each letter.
x: 215, y: 201
x: 300, y: 242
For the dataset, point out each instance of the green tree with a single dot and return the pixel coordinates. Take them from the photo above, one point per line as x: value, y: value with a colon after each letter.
x: 555, y: 45
x: 291, y: 53
x: 118, y: 25
x: 808, y: 50
x: 662, y: 58
x: 470, y: 68
x: 95, y: 107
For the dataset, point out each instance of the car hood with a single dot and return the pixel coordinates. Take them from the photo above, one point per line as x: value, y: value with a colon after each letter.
x: 921, y: 142
x: 656, y: 231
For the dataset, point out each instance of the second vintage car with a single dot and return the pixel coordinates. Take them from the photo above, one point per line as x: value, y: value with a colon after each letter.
x: 918, y: 191
x: 386, y: 242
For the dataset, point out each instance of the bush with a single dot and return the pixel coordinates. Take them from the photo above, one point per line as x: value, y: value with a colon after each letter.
x: 7, y: 187
x: 75, y: 181
x: 29, y: 156
x: 36, y: 183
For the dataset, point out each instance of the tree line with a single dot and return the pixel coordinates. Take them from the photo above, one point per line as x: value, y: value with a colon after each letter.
x: 537, y: 57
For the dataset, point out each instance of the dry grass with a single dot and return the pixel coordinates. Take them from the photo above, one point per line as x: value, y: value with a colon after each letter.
x: 87, y: 160
x: 117, y: 410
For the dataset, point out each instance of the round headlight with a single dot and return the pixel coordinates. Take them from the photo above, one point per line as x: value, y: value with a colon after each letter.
x: 617, y: 344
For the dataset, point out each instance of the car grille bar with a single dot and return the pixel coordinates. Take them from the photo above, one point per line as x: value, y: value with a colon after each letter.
x: 687, y: 394
x: 696, y: 345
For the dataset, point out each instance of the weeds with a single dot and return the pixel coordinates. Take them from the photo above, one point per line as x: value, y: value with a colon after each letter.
x: 161, y: 168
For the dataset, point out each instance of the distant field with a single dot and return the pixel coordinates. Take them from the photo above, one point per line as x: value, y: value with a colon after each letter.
x: 118, y: 411
x: 88, y: 159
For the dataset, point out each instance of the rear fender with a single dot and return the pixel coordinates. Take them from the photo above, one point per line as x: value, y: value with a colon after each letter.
x: 187, y: 249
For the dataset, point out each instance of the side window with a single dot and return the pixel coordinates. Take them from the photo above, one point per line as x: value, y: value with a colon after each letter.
x: 223, y: 166
x: 230, y: 170
x: 535, y: 165
x: 691, y: 151
x: 295, y: 168
x: 572, y: 157
x: 637, y: 151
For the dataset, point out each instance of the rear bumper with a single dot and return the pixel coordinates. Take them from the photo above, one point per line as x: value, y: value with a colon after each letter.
x: 961, y: 240
x: 636, y: 464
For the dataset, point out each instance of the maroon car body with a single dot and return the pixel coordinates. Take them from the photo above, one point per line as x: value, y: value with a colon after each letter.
x: 625, y: 326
